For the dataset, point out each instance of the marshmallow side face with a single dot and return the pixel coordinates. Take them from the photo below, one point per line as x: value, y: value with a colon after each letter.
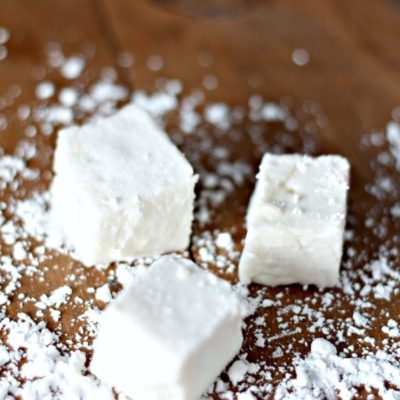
x: 121, y: 189
x: 295, y: 221
x: 170, y: 334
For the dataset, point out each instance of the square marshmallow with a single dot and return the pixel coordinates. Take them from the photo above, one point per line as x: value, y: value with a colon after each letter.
x: 121, y: 189
x: 295, y: 221
x: 169, y: 334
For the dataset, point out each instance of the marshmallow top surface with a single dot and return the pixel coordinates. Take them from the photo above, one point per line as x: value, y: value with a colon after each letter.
x: 179, y: 302
x: 294, y: 188
x: 121, y: 157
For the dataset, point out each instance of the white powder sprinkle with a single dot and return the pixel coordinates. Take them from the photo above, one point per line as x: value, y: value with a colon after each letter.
x: 72, y: 67
x: 210, y: 82
x: 218, y: 114
x: 44, y: 90
x: 4, y: 35
x: 3, y: 52
x: 103, y: 294
x: 391, y: 328
x: 205, y: 59
x: 379, y: 278
x: 155, y: 62
x: 46, y: 372
x: 58, y: 297
x: 238, y: 371
x: 10, y: 167
x: 224, y: 241
x: 300, y: 57
x: 272, y: 112
x: 68, y: 97
x: 324, y: 375
x: 105, y: 91
x: 393, y: 137
x: 158, y: 104
x: 246, y: 396
x: 189, y: 117
x: 125, y: 60
x: 4, y: 38
x: 54, y: 115
x: 19, y: 252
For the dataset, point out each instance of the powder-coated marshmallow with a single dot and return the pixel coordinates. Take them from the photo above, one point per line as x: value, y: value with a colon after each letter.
x: 169, y: 334
x: 121, y: 189
x: 295, y: 221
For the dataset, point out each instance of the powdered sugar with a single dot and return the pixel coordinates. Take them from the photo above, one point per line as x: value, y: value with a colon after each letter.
x: 219, y: 115
x: 47, y: 372
x: 58, y: 297
x: 103, y: 294
x: 155, y: 62
x: 324, y: 375
x: 393, y: 137
x: 300, y: 57
x: 4, y: 38
x: 44, y: 90
x: 4, y: 35
x: 158, y: 104
x: 68, y: 96
x: 72, y: 67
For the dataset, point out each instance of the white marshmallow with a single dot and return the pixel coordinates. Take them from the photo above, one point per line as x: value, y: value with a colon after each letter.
x: 295, y: 221
x: 122, y: 189
x: 169, y: 334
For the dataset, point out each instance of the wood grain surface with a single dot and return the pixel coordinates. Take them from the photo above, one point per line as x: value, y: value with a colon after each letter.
x: 353, y: 76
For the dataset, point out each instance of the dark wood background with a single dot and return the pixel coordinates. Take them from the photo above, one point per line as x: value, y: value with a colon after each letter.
x: 354, y: 53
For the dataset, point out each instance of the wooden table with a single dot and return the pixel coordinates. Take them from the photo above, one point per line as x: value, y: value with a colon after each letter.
x: 352, y: 78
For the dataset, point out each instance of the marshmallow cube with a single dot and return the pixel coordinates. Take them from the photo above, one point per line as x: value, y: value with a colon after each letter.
x: 121, y: 189
x: 295, y: 221
x: 170, y: 334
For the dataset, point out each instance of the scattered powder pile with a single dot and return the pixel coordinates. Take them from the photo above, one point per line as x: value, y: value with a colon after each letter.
x: 31, y: 352
x: 155, y: 62
x: 300, y: 57
x: 218, y: 114
x: 189, y: 117
x: 72, y: 67
x: 285, y: 321
x: 380, y: 280
x: 393, y: 137
x: 325, y: 375
x: 10, y: 167
x: 4, y: 38
x: 210, y: 82
x: 159, y: 103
